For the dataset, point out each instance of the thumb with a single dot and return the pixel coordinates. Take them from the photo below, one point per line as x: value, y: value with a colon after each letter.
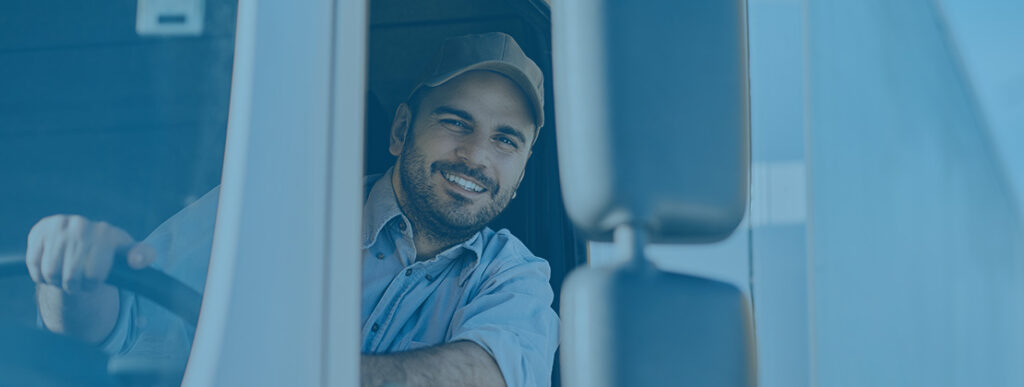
x: 141, y: 255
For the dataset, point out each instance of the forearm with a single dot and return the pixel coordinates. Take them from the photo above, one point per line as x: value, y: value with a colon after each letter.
x: 89, y: 316
x: 461, y: 363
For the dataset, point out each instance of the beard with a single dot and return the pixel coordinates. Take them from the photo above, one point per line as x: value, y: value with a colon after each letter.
x: 441, y: 216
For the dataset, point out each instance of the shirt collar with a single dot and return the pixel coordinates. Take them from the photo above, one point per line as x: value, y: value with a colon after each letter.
x: 474, y: 244
x: 381, y: 206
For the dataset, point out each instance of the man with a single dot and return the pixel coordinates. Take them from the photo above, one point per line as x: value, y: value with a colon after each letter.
x: 446, y: 300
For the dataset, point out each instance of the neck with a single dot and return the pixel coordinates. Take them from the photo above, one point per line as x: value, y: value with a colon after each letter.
x: 427, y: 241
x: 428, y: 246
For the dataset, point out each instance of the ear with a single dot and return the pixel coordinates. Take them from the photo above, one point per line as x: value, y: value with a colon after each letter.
x: 400, y: 127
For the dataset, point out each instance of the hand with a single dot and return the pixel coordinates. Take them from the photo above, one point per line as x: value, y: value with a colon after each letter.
x: 75, y: 253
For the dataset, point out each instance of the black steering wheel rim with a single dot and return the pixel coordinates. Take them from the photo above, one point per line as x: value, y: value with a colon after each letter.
x: 153, y: 284
x: 22, y: 363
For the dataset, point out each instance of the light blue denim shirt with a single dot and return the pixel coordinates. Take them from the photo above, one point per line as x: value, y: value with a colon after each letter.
x: 489, y: 290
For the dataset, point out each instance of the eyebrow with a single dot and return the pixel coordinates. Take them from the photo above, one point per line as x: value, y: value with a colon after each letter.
x: 453, y: 111
x: 506, y: 129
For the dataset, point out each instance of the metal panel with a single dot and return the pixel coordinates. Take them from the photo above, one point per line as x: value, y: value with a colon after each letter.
x: 343, y: 265
x: 263, y: 315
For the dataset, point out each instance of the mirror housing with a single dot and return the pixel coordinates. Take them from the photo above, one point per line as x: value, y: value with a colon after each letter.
x: 653, y: 116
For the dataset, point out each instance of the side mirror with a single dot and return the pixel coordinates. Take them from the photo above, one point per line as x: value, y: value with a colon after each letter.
x: 653, y: 116
x: 654, y: 144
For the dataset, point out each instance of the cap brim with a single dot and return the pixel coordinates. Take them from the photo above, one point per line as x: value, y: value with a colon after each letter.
x: 503, y: 68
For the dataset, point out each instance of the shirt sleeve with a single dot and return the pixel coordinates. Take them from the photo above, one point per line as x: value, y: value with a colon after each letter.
x: 118, y: 337
x: 512, y: 319
x: 182, y: 243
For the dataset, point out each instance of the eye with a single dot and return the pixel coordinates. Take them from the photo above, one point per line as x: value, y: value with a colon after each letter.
x: 455, y: 124
x: 507, y: 142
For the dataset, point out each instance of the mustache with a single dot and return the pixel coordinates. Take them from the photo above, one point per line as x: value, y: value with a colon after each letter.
x: 464, y: 169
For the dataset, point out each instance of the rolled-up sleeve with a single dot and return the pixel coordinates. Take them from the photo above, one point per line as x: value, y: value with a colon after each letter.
x: 512, y: 319
x: 116, y: 342
x: 182, y: 244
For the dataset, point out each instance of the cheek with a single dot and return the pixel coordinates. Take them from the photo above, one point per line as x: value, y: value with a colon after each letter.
x: 426, y: 148
x: 511, y: 170
x: 437, y: 145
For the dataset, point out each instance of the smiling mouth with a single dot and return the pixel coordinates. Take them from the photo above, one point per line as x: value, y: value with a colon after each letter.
x: 463, y: 182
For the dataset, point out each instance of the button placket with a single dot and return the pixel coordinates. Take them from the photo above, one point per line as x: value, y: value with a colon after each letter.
x: 392, y: 307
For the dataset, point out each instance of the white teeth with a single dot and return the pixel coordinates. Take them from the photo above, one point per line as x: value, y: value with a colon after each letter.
x: 468, y: 185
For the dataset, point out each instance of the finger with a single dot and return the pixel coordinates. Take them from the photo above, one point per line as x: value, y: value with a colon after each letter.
x: 72, y: 274
x: 141, y: 255
x: 71, y: 278
x: 106, y: 240
x: 97, y: 268
x: 52, y: 264
x: 40, y: 244
x: 75, y: 253
x: 90, y: 282
x: 33, y: 261
x: 34, y: 253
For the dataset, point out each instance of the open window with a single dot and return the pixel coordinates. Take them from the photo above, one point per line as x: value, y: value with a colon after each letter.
x: 404, y: 35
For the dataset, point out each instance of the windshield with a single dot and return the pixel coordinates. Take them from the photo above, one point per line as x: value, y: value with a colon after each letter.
x: 112, y: 115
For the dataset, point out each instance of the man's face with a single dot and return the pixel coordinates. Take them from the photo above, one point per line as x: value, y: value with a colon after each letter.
x: 464, y: 154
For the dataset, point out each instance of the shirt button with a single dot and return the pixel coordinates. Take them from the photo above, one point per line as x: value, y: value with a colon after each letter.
x: 430, y: 277
x: 380, y: 255
x: 375, y: 327
x: 401, y: 225
x: 408, y: 272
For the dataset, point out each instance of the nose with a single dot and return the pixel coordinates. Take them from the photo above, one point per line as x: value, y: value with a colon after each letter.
x: 471, y: 150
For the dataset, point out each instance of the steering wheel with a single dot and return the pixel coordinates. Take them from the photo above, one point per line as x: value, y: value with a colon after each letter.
x: 36, y: 357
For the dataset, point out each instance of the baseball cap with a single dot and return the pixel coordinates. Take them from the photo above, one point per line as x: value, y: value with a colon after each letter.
x: 493, y: 51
